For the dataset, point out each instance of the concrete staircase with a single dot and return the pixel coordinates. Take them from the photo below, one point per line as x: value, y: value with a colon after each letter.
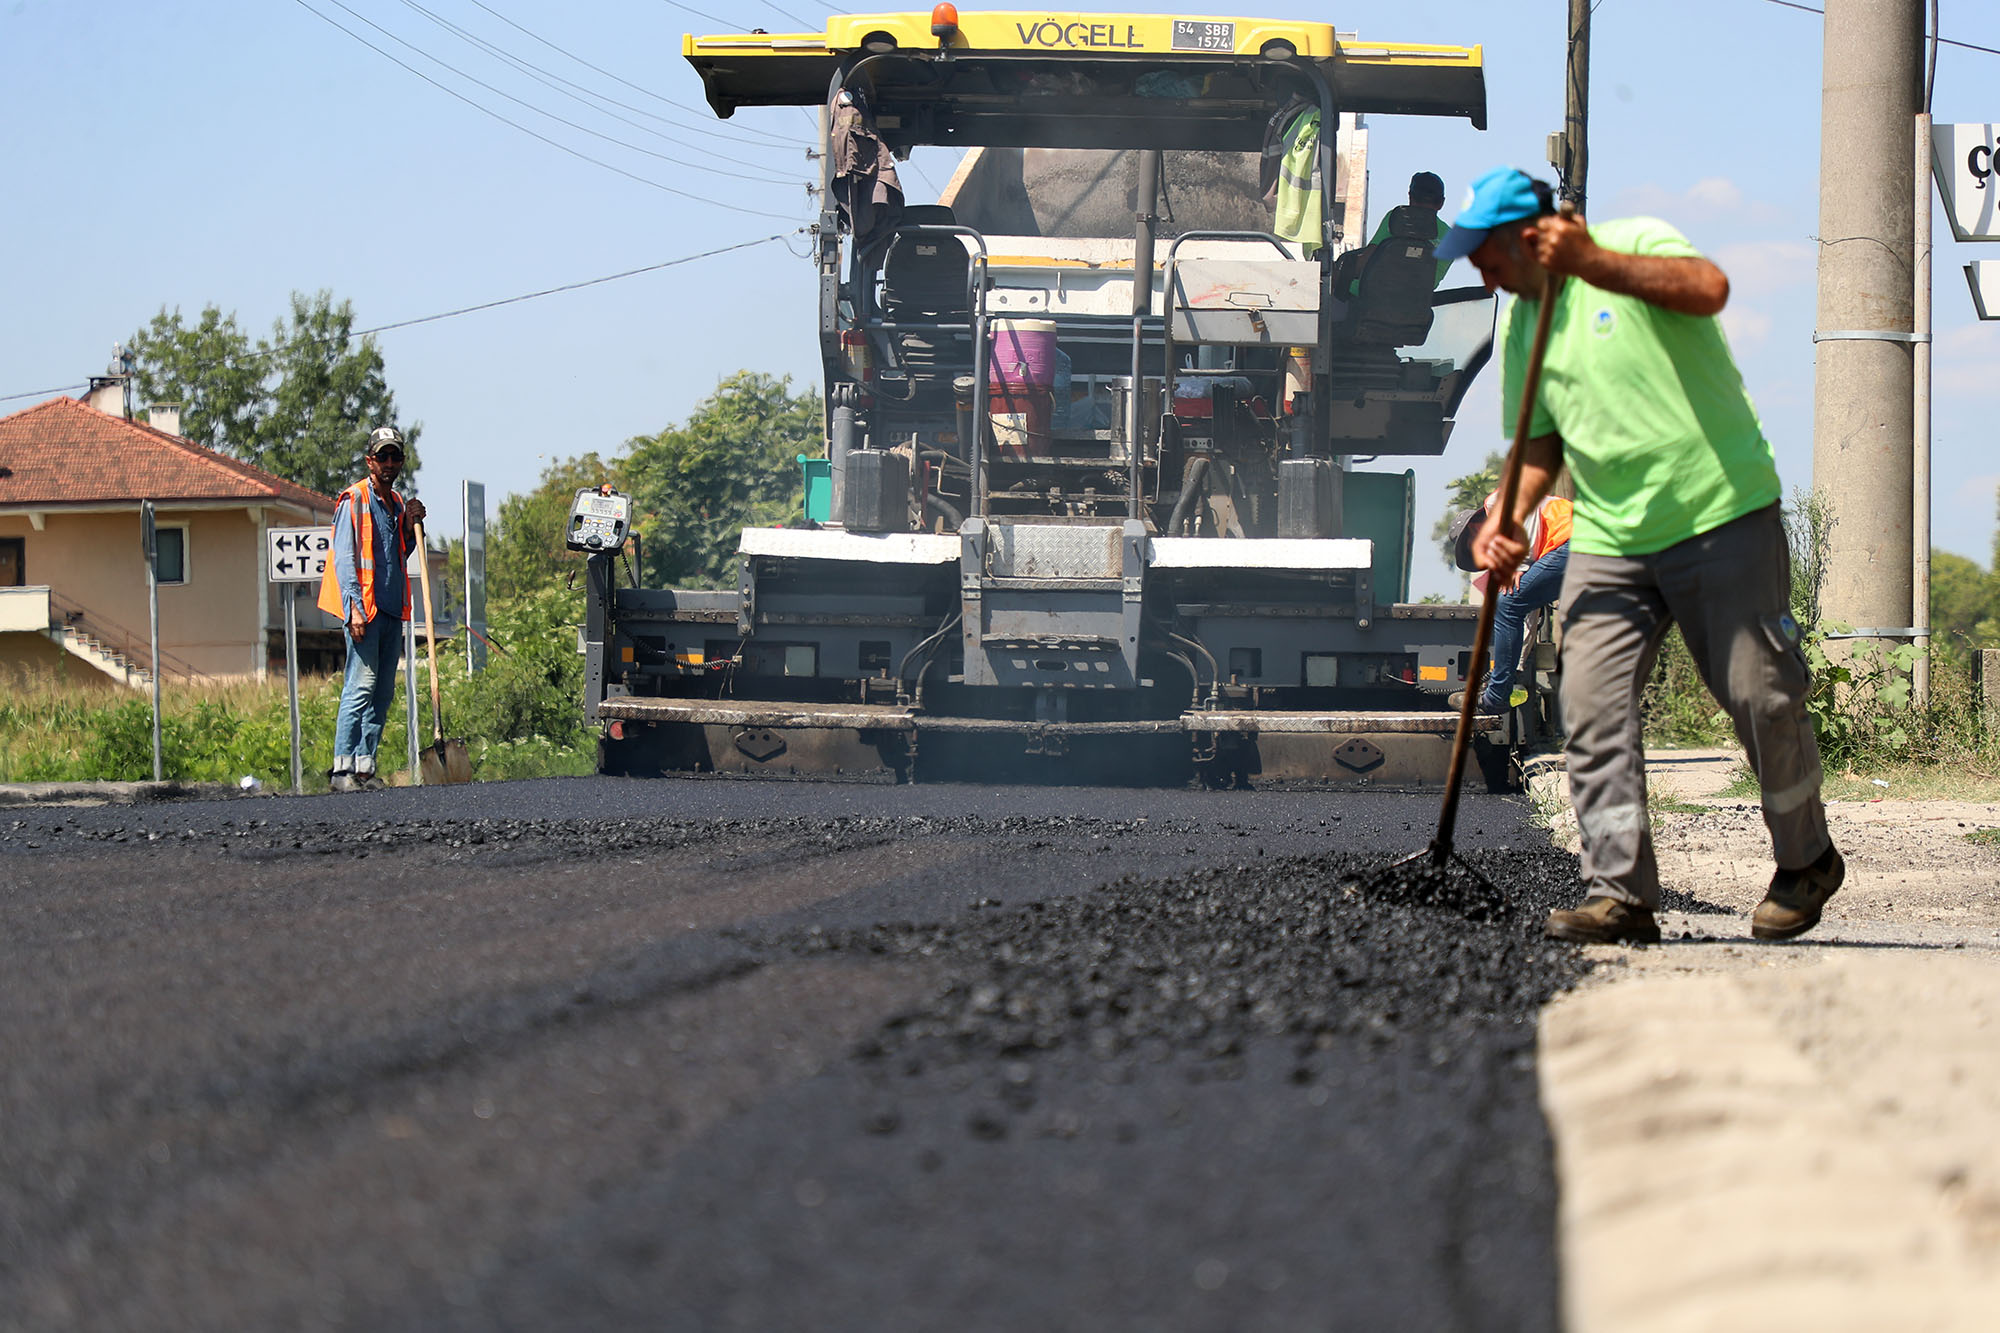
x: 102, y: 656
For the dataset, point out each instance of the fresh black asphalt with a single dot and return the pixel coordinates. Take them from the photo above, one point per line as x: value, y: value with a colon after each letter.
x: 713, y: 1054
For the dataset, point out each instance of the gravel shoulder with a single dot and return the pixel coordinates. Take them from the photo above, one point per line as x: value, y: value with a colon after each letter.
x: 1786, y: 1136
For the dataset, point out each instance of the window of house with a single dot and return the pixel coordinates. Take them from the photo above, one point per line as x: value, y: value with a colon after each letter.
x: 13, y: 561
x: 172, y: 566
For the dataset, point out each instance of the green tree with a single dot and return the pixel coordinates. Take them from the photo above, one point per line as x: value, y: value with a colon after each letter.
x: 734, y: 464
x: 1964, y: 599
x: 298, y: 404
x: 524, y: 547
x: 211, y: 369
x: 327, y: 391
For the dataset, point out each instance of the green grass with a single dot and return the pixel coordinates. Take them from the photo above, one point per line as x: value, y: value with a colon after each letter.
x: 1660, y: 801
x: 1984, y: 837
x: 522, y: 717
x: 52, y: 732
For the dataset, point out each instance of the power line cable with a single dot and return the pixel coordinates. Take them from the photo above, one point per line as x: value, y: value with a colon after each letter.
x: 558, y: 84
x: 1942, y: 41
x: 462, y: 310
x: 794, y: 18
x: 521, y: 102
x: 573, y: 286
x: 708, y: 124
x: 728, y: 25
x: 533, y: 134
x: 43, y: 393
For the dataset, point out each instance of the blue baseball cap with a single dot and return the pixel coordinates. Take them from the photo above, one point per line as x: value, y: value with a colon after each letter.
x: 1502, y: 195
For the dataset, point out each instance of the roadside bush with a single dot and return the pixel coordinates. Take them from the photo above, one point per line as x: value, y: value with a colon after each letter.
x: 1677, y: 708
x: 522, y: 716
x: 1862, y: 703
x: 532, y: 690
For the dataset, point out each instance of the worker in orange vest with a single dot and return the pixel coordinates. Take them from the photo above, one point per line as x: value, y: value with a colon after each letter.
x: 367, y: 585
x: 1537, y: 584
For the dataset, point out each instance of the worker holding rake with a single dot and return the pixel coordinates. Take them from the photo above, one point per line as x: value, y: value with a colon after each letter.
x: 1676, y: 522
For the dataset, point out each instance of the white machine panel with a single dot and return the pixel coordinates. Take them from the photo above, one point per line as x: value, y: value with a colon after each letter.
x: 1309, y: 553
x: 881, y: 548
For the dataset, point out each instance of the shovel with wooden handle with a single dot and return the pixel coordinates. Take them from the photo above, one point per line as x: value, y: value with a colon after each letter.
x: 442, y: 761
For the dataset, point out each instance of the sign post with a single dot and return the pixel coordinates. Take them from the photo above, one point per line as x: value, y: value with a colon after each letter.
x: 149, y: 539
x: 293, y: 556
x: 291, y: 596
x: 475, y: 576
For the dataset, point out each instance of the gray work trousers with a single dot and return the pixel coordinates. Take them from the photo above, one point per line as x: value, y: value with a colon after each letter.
x: 1729, y: 590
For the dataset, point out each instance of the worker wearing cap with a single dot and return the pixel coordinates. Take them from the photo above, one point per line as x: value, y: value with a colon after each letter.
x: 1676, y: 523
x: 1426, y: 204
x: 367, y: 585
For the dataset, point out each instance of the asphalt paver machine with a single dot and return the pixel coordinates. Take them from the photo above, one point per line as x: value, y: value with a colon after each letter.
x: 1099, y: 423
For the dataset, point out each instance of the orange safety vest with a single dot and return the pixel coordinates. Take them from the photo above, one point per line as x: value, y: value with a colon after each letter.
x: 330, y: 600
x: 1556, y: 524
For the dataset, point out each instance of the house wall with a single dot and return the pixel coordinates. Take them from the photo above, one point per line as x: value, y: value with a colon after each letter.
x: 213, y: 622
x: 27, y: 658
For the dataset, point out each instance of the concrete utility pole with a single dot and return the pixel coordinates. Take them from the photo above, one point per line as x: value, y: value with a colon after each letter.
x: 1871, y: 86
x: 1576, y: 106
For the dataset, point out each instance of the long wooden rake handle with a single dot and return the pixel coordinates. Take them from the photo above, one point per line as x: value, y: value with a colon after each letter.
x: 1510, y: 488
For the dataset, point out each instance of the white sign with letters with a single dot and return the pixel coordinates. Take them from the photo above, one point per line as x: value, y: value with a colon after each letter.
x: 1968, y: 176
x: 296, y: 555
x: 1984, y: 277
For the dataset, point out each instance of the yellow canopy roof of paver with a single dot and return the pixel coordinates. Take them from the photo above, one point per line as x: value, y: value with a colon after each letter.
x: 998, y: 80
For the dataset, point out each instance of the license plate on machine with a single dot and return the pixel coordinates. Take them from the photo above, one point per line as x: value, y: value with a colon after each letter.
x: 1190, y: 35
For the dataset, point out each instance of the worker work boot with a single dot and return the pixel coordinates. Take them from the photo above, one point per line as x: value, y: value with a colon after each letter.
x: 1603, y: 921
x: 369, y: 781
x: 1794, y: 901
x: 341, y: 782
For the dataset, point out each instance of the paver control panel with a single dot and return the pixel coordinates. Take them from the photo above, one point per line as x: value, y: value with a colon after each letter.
x: 599, y: 520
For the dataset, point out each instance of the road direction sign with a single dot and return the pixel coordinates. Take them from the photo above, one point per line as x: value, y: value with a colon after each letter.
x: 1968, y: 176
x: 296, y: 555
x: 1984, y: 277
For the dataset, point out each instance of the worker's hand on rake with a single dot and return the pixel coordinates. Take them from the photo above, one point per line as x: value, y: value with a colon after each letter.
x: 1562, y: 244
x: 1500, y: 548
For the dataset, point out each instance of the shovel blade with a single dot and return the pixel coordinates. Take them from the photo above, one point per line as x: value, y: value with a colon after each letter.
x: 444, y: 763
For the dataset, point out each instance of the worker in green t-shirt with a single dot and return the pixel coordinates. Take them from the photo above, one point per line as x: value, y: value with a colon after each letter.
x: 1676, y: 522
x: 1426, y: 200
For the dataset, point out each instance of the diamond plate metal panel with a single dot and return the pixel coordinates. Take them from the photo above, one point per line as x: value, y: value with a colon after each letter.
x: 1044, y: 551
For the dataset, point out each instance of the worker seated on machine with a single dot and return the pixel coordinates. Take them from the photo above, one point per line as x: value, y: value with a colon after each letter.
x: 1387, y: 284
x: 1418, y: 219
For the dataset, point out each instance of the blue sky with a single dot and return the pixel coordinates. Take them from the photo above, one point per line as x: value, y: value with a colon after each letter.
x: 187, y: 152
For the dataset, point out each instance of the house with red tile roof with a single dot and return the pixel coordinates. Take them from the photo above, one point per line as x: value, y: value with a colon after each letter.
x: 73, y: 596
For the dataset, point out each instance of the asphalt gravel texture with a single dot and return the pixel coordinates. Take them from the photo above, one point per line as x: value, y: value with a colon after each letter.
x: 714, y: 1054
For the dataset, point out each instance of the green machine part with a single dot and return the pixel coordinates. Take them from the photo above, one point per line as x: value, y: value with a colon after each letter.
x: 817, y: 476
x: 1382, y: 506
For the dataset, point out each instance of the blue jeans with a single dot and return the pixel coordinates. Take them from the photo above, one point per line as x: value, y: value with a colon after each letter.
x: 1541, y: 584
x: 366, y: 693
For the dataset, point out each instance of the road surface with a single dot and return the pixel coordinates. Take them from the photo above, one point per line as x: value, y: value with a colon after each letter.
x: 713, y: 1054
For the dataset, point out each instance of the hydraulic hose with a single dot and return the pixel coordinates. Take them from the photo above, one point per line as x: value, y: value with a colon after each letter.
x: 926, y: 646
x: 932, y: 501
x: 1191, y: 479
x: 1214, y: 671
